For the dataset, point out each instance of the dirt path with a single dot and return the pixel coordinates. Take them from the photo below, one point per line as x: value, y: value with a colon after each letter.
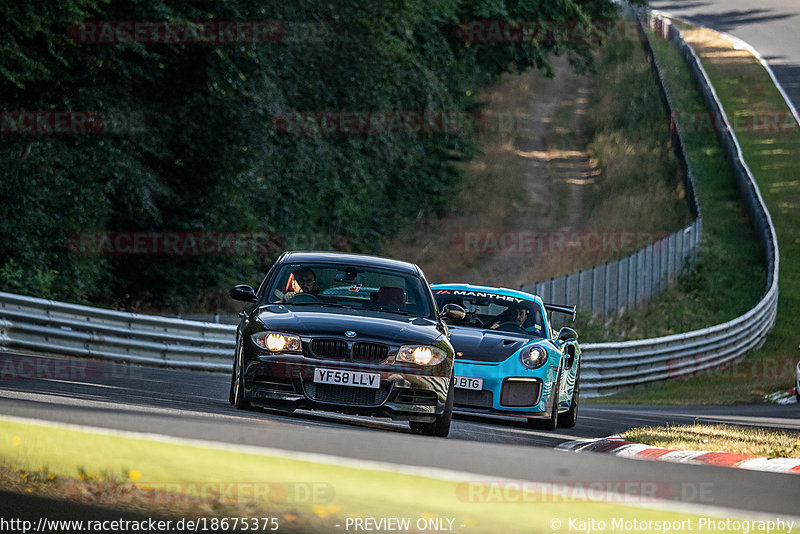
x: 532, y: 177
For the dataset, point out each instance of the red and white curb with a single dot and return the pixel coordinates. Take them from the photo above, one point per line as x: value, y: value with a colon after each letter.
x: 788, y: 396
x: 618, y: 446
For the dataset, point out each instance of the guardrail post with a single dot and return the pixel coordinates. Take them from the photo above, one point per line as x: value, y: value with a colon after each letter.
x: 621, y: 266
x: 606, y: 290
x: 566, y: 288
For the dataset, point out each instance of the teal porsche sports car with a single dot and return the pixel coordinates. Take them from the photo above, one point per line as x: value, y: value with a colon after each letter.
x: 509, y: 360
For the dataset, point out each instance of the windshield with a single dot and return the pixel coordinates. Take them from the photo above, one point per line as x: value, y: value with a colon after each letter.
x: 351, y: 286
x: 494, y: 312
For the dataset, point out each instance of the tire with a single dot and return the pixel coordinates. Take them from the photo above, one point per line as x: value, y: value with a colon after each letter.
x: 231, y: 394
x: 237, y: 383
x: 441, y: 427
x: 551, y: 423
x: 231, y: 398
x: 570, y: 417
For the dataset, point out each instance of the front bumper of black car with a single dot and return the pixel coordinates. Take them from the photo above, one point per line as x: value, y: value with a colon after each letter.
x: 406, y: 392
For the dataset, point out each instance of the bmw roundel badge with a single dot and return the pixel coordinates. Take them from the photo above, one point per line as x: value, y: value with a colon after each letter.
x: 350, y: 333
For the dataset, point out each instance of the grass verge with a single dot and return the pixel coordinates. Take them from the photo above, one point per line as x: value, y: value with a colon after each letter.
x: 773, y: 155
x: 728, y: 277
x: 167, y: 478
x: 727, y: 438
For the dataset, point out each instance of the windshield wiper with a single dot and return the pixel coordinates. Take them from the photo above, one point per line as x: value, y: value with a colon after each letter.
x: 320, y: 303
x: 398, y: 312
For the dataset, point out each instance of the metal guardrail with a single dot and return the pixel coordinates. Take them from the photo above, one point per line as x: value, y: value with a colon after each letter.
x: 44, y: 325
x: 36, y: 324
x: 628, y: 283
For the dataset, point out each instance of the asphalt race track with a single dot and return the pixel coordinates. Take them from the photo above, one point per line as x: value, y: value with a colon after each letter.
x: 194, y: 404
x: 769, y: 26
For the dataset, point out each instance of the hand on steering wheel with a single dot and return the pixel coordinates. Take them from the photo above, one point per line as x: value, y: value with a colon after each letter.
x: 297, y: 298
x: 472, y: 318
x: 511, y: 326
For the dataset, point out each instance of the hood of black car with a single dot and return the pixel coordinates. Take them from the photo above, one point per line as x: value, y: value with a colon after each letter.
x: 315, y: 321
x: 481, y: 345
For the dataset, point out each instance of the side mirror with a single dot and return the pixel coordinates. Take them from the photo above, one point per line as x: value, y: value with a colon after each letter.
x: 454, y: 312
x: 244, y: 293
x: 567, y: 334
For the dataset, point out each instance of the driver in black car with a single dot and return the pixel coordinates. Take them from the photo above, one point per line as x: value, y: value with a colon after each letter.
x: 302, y: 280
x: 518, y: 317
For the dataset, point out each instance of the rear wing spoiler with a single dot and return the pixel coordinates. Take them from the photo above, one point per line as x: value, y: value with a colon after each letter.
x: 558, y: 308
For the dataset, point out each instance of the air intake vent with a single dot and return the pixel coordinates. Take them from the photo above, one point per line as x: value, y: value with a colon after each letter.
x: 520, y: 392
x: 370, y: 352
x: 346, y: 394
x: 473, y: 399
x: 275, y: 384
x: 331, y: 349
x: 418, y: 397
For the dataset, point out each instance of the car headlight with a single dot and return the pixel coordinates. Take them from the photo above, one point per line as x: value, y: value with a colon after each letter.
x: 421, y: 354
x: 277, y: 342
x: 533, y: 357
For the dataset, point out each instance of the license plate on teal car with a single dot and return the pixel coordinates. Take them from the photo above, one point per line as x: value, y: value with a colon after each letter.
x: 467, y: 382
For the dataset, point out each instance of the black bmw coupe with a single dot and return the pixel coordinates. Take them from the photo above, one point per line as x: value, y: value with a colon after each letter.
x: 346, y: 333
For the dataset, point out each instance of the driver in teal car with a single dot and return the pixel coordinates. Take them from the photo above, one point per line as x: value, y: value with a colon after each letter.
x: 518, y: 318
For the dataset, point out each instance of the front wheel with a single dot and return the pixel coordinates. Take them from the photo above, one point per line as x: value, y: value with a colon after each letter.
x: 551, y: 423
x: 232, y: 391
x: 441, y: 427
x: 231, y: 397
x: 237, y: 383
x: 570, y: 417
